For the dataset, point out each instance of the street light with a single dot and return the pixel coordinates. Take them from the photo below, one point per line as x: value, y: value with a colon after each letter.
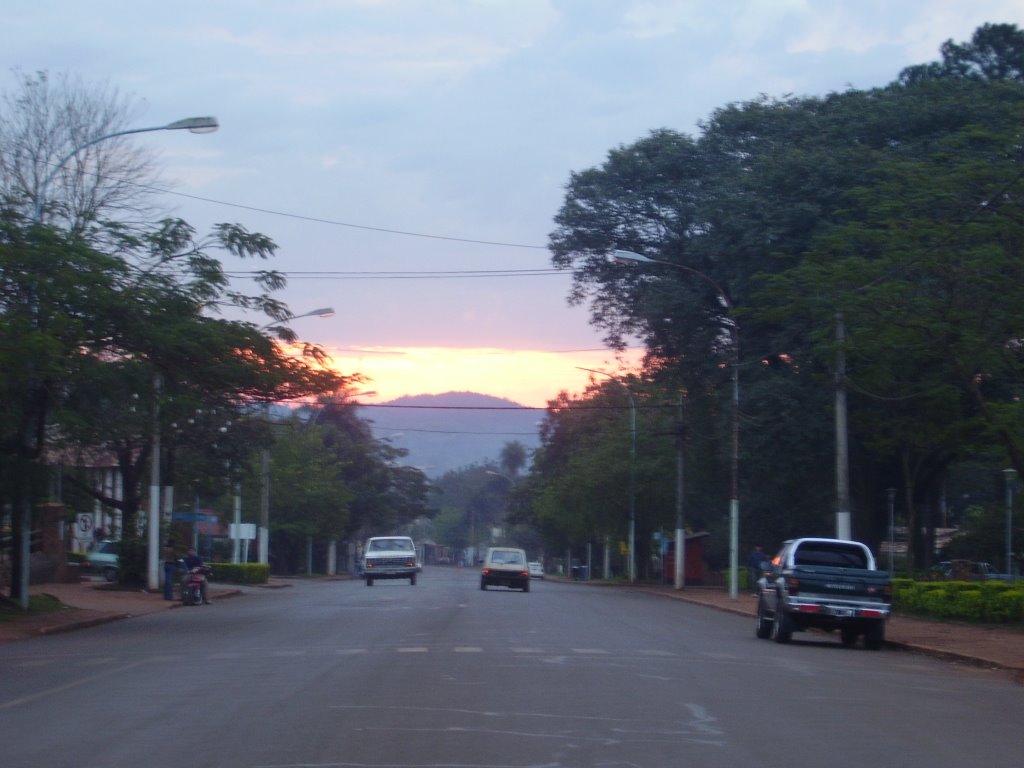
x: 322, y: 312
x: 632, y: 472
x: 891, y: 493
x: 1009, y: 474
x: 195, y: 125
x: 263, y: 534
x: 191, y: 124
x: 733, y: 328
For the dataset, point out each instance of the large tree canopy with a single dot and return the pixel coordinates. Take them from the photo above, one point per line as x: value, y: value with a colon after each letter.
x: 897, y: 209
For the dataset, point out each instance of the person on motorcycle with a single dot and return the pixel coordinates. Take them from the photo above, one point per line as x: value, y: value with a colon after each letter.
x: 192, y: 561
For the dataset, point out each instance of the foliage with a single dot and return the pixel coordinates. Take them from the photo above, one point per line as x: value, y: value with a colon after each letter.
x: 37, y: 604
x: 990, y: 601
x: 42, y: 122
x: 331, y: 479
x: 240, y: 573
x: 892, y: 214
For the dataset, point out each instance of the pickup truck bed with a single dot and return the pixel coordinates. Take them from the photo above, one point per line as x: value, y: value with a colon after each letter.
x: 825, y: 584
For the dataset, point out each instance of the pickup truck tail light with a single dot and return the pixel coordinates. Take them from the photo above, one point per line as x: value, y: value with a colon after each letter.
x: 869, y: 613
x: 793, y: 585
x: 885, y: 593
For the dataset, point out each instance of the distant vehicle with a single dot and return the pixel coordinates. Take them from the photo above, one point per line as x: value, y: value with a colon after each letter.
x: 103, y: 559
x: 968, y: 570
x: 824, y: 584
x: 987, y: 572
x: 536, y: 570
x: 390, y: 557
x: 505, y: 567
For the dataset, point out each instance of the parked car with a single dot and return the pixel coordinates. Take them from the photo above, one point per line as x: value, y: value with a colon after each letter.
x: 505, y: 567
x: 103, y: 559
x: 536, y: 570
x: 968, y: 570
x: 828, y: 584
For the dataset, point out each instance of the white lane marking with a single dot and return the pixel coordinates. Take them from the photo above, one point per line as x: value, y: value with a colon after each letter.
x: 468, y: 649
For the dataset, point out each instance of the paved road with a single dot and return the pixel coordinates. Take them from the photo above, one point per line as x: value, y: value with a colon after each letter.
x: 443, y: 674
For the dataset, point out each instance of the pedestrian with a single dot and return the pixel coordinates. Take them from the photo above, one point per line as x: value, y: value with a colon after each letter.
x: 755, y: 566
x: 170, y: 555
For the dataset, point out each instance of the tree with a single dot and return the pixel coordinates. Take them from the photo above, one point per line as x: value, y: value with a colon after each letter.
x: 995, y: 52
x: 896, y: 207
x: 42, y: 122
x: 512, y: 458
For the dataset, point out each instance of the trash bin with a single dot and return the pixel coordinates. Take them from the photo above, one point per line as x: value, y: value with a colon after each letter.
x: 580, y: 573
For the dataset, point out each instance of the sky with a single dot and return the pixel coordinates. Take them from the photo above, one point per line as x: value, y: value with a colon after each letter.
x: 408, y: 157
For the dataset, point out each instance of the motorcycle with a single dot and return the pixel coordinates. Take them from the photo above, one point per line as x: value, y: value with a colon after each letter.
x: 192, y: 585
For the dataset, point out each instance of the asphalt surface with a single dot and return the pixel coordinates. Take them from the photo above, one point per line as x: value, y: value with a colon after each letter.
x: 89, y: 603
x: 334, y: 673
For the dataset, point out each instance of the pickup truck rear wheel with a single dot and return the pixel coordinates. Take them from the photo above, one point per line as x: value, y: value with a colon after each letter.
x: 763, y: 628
x: 874, y: 637
x: 848, y: 636
x: 782, y: 627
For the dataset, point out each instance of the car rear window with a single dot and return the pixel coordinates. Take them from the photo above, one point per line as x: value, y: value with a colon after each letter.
x: 507, y: 558
x: 836, y: 556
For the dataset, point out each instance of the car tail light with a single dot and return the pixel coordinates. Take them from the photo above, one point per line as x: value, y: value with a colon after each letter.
x: 793, y: 585
x: 486, y: 571
x: 809, y: 608
x: 871, y: 613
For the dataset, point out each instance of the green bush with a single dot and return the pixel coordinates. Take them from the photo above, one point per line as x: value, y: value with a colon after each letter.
x: 968, y: 604
x: 241, y: 573
x: 990, y: 601
x: 1007, y: 606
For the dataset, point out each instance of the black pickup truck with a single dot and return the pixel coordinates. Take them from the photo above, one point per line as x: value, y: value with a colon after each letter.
x: 825, y: 584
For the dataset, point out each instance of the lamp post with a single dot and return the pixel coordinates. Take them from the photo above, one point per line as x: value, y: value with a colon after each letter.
x: 632, y: 471
x: 263, y: 533
x: 891, y: 492
x: 194, y: 125
x: 733, y: 330
x: 1009, y: 474
x: 191, y: 124
x: 679, y: 577
x: 843, y: 529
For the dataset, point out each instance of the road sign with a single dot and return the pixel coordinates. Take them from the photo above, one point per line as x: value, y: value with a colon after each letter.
x: 83, y: 526
x: 243, y: 531
x: 193, y: 517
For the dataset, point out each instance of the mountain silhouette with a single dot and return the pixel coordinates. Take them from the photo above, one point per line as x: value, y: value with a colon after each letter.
x: 452, y: 430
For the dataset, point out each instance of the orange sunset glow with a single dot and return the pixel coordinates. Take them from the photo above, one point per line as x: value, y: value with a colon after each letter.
x: 527, y: 377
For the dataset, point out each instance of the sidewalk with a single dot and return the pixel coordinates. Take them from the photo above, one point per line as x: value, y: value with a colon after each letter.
x: 90, y: 603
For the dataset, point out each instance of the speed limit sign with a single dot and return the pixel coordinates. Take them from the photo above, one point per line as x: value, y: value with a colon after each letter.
x: 83, y: 526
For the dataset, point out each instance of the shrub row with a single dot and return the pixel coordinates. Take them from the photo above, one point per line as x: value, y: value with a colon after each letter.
x: 241, y: 573
x: 988, y: 601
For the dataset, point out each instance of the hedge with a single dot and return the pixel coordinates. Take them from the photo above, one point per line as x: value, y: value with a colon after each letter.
x: 986, y: 601
x: 241, y: 573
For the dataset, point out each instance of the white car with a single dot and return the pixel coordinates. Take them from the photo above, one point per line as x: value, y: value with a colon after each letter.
x: 390, y: 557
x: 536, y: 570
x: 505, y: 567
